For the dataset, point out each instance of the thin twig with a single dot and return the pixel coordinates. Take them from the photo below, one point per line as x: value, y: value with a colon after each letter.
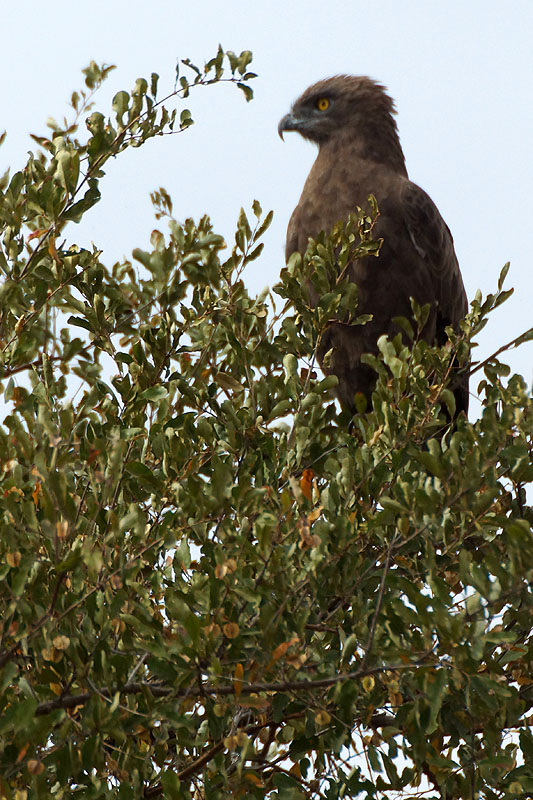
x: 379, y: 603
x: 500, y: 350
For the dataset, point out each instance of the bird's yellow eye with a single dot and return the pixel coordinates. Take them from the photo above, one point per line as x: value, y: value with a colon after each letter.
x: 322, y: 104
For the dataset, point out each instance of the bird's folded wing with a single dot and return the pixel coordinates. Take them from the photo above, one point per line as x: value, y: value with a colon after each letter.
x: 433, y: 241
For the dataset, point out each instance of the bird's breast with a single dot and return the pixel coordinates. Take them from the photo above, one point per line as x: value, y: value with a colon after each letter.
x: 339, y: 183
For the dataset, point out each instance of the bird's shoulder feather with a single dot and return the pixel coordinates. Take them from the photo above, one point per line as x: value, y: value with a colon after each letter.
x: 429, y: 234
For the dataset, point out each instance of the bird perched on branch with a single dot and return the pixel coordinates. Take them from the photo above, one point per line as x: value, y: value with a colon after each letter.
x: 351, y: 119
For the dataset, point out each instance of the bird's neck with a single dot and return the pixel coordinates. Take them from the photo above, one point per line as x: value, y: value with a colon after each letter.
x: 377, y: 143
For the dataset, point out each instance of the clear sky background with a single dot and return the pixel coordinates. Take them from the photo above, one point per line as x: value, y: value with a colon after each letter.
x: 461, y: 74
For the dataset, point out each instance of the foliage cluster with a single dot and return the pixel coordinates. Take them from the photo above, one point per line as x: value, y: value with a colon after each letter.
x: 212, y: 583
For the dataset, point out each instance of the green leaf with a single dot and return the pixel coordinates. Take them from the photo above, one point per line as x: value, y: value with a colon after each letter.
x: 436, y: 690
x: 138, y: 469
x: 171, y: 785
x: 503, y: 275
x: 247, y: 91
x: 120, y: 104
x: 154, y: 393
x: 18, y: 716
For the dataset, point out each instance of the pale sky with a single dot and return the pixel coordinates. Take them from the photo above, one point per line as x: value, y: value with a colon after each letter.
x: 461, y: 74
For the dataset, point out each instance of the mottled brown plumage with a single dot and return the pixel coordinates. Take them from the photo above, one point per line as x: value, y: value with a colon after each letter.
x: 351, y: 119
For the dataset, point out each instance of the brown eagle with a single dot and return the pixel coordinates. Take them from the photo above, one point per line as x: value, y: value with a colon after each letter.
x: 351, y: 120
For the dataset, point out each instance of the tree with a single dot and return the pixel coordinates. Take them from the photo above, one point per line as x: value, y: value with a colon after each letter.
x: 213, y: 582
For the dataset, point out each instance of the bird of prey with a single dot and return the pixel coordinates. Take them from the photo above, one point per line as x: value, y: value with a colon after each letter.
x: 351, y: 119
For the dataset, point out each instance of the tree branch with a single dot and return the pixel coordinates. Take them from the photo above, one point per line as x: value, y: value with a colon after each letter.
x: 160, y: 690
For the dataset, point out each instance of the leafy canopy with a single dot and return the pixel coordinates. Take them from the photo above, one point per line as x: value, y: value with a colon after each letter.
x: 212, y: 583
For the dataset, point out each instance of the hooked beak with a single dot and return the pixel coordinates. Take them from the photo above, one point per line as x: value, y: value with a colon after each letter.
x: 288, y: 123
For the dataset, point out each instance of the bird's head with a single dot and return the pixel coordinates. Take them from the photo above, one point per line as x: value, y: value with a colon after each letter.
x: 344, y: 103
